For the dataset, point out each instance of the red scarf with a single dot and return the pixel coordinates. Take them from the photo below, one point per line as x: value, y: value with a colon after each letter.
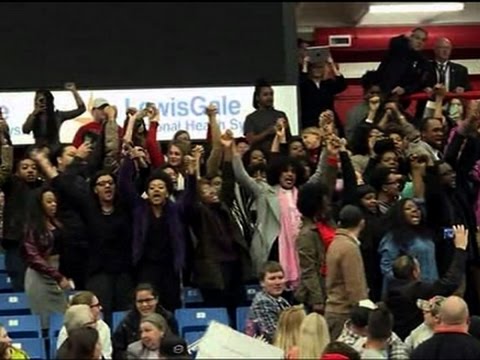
x: 327, y: 233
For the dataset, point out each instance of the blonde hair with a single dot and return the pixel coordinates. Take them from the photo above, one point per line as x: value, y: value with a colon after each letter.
x: 288, y: 328
x: 313, y: 130
x: 314, y: 337
x: 82, y: 297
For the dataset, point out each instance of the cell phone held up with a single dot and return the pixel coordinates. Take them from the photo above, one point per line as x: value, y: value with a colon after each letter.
x: 448, y: 234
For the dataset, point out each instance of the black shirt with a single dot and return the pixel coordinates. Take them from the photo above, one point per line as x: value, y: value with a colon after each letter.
x: 261, y: 120
x: 448, y: 346
x: 112, y: 236
x: 223, y: 240
x: 157, y: 245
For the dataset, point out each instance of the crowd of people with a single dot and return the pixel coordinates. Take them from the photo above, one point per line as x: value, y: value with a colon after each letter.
x: 362, y: 233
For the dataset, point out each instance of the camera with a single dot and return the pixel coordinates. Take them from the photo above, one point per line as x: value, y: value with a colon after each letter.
x: 448, y: 233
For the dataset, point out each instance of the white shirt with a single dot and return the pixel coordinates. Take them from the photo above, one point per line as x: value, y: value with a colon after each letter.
x: 447, y: 73
x: 419, y: 335
x: 103, y: 332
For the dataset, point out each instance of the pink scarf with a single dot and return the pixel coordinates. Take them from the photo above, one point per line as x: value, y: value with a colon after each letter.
x: 289, y: 227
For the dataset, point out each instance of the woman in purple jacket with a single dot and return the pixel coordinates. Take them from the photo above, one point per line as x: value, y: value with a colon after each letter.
x: 158, y: 229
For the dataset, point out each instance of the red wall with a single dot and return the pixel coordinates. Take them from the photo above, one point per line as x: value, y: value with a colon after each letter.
x: 369, y: 44
x: 353, y: 95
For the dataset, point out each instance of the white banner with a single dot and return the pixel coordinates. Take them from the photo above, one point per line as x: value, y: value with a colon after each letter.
x: 180, y: 109
x: 222, y: 342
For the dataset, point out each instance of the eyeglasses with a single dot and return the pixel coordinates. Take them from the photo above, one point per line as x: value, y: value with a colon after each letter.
x: 97, y: 305
x: 143, y: 301
x: 105, y: 183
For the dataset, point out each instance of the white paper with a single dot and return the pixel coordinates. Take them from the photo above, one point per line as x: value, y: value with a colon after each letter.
x: 221, y: 341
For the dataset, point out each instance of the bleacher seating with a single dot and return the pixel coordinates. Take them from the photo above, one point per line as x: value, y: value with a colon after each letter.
x: 192, y: 296
x: 14, y: 304
x: 53, y: 347
x: 2, y: 263
x: 197, y: 320
x: 117, y: 317
x: 35, y: 348
x: 192, y: 336
x: 55, y: 325
x: 5, y: 284
x: 241, y: 315
x: 22, y: 326
x: 251, y: 291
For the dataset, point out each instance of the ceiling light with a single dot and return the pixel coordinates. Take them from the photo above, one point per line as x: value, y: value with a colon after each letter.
x: 412, y: 8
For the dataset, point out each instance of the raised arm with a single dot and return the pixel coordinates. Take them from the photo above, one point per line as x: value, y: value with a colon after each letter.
x: 70, y: 184
x: 27, y: 126
x: 419, y: 168
x: 280, y: 137
x: 126, y: 185
x: 215, y: 159
x: 327, y: 167
x: 241, y: 174
x: 81, y: 108
x: 349, y: 193
x: 187, y: 199
x: 228, y: 177
x: 112, y: 140
x: 6, y: 167
x: 435, y: 108
x: 153, y: 149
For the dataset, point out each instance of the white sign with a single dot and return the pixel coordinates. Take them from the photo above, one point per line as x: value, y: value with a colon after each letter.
x: 180, y: 109
x: 222, y: 342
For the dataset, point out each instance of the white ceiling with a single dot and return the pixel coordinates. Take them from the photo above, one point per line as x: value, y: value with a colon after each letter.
x: 350, y: 14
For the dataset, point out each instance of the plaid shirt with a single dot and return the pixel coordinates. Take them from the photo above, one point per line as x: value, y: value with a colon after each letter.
x: 397, y: 350
x: 263, y: 315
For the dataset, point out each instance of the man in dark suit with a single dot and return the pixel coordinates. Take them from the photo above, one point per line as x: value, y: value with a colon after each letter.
x: 404, y: 66
x: 442, y: 71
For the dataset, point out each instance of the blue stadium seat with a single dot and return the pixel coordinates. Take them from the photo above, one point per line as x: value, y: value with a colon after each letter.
x: 14, y: 304
x: 35, y: 348
x: 192, y: 336
x: 192, y: 296
x: 5, y: 283
x: 55, y: 324
x: 117, y: 317
x: 53, y: 347
x: 22, y: 326
x: 242, y: 313
x: 251, y: 291
x: 2, y: 263
x: 198, y: 319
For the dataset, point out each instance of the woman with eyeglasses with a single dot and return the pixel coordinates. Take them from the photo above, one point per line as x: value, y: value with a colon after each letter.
x: 146, y: 302
x: 89, y: 298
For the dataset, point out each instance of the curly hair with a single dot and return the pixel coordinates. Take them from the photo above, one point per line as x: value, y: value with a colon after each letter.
x: 400, y: 229
x: 311, y: 199
x: 163, y: 176
x: 282, y: 164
